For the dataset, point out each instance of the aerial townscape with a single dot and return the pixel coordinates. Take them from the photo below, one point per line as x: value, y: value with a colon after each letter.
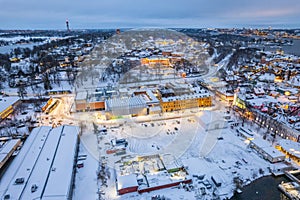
x: 140, y: 113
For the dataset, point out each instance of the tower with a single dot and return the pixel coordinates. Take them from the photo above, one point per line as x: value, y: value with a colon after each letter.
x: 67, y: 23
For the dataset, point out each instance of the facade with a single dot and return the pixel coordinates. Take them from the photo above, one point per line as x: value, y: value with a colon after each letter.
x: 290, y: 190
x: 86, y: 102
x: 81, y: 101
x: 155, y: 61
x: 225, y: 95
x: 170, y: 104
x: 239, y: 102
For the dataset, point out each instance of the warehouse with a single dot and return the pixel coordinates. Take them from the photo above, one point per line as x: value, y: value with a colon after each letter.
x: 61, y: 176
x: 45, y: 161
x: 85, y: 101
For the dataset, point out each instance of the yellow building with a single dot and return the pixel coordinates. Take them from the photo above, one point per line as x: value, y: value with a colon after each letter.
x: 170, y: 104
x: 7, y: 106
x: 225, y: 95
x: 154, y: 61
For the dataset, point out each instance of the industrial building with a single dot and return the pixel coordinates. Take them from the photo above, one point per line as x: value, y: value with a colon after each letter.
x: 93, y: 100
x: 134, y: 106
x: 86, y: 102
x: 44, y: 167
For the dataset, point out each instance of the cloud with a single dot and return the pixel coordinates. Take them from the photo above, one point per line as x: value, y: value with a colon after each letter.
x: 137, y: 13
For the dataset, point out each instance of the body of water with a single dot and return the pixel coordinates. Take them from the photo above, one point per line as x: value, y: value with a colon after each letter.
x: 265, y: 188
x: 288, y: 49
x: 9, y: 48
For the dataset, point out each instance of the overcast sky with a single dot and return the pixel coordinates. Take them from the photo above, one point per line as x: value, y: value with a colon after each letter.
x: 52, y: 14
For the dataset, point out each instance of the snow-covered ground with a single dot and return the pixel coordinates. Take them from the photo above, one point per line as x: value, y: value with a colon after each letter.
x: 85, y: 179
x: 177, y: 136
x: 179, y: 141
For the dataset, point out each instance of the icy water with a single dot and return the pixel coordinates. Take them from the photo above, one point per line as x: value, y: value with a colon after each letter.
x: 9, y: 48
x: 264, y: 188
x: 294, y: 49
x: 288, y: 49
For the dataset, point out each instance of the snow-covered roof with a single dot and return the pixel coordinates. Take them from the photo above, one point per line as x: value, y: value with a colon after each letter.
x: 290, y: 146
x: 260, y: 143
x: 267, y: 77
x: 81, y: 96
x: 187, y: 96
x: 42, y: 167
x: 23, y: 164
x: 5, y: 102
x: 9, y: 145
x: 44, y: 150
x: 267, y: 148
x: 7, y: 148
x: 152, y: 96
x: 60, y: 177
x: 260, y: 101
x: 127, y: 181
x: 274, y: 153
x: 259, y: 91
x: 126, y: 102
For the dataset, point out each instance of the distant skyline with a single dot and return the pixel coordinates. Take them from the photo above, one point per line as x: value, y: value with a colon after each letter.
x: 93, y: 14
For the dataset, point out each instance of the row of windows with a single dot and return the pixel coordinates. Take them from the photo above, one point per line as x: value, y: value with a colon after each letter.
x: 6, y: 112
x: 186, y: 104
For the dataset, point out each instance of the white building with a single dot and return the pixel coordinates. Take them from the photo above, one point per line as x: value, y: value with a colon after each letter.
x: 211, y: 121
x: 267, y: 151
